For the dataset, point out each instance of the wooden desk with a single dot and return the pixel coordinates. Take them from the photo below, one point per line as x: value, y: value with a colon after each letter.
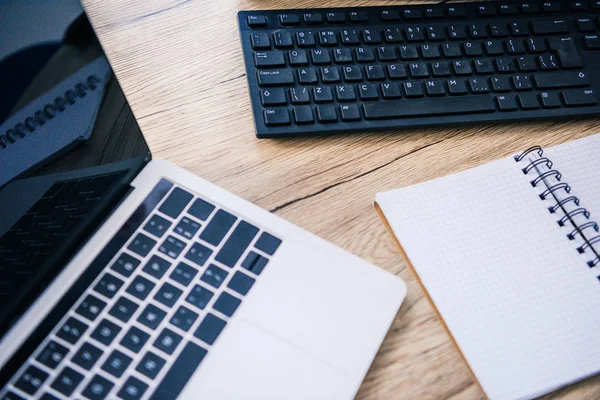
x: 180, y: 65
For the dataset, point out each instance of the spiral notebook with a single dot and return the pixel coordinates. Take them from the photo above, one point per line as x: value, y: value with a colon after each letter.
x: 508, y: 254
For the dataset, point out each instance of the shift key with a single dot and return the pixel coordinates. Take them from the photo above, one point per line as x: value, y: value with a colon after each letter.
x: 275, y: 77
x: 558, y: 80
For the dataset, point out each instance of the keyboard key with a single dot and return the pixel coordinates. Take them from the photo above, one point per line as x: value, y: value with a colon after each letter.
x: 175, y: 203
x: 150, y: 365
x: 408, y: 52
x: 303, y: 115
x: 52, y: 354
x: 156, y: 267
x: 198, y: 253
x: 298, y: 57
x: 98, y: 388
x: 86, y: 356
x: 172, y: 247
x: 456, y: 12
x: 300, y: 95
x: 210, y: 328
x: 528, y: 101
x: 592, y: 42
x: 579, y: 97
x: 256, y: 20
x: 199, y: 297
x: 561, y: 80
x: 125, y: 265
x: 151, y: 316
x: 359, y: 16
x: 183, y: 274
x: 428, y: 107
x: 550, y: 100
x: 90, y: 307
x: 566, y: 51
x: 116, y: 363
x: 141, y: 245
x: 419, y: 70
x: 108, y: 285
x: 268, y: 243
x: 48, y: 396
x: 72, y: 330
x: 349, y: 112
x: 167, y: 294
x: 31, y: 380
x: 289, y: 19
x: 440, y: 69
x: 227, y: 304
x: 282, y: 39
x: 201, y: 209
x: 105, y: 332
x: 336, y: 17
x: 500, y: 84
x: 133, y: 389
x: 457, y: 87
x: 507, y: 102
x: 322, y: 94
x: 184, y: 318
x: 434, y: 88
x: 123, y: 309
x: 134, y: 339
x: 214, y: 276
x: 478, y: 85
x: 11, y: 396
x: 522, y: 82
x: 389, y: 91
x: 275, y: 77
x: 218, y: 227
x: 255, y: 262
x: 157, y: 226
x: 462, y: 67
x: 180, y: 373
x: 167, y: 341
x: 236, y: 244
x: 140, y: 287
x: 549, y: 27
x: 67, y: 381
x: 241, y: 283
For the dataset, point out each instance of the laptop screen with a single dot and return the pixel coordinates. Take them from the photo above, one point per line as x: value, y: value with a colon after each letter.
x: 68, y: 144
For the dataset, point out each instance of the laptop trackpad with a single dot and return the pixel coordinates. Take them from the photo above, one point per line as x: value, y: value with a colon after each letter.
x: 250, y: 362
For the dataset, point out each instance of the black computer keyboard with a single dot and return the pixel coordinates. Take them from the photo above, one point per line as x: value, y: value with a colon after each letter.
x: 338, y: 70
x: 145, y: 313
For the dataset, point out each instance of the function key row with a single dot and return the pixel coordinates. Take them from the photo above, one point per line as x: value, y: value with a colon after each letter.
x: 413, y: 14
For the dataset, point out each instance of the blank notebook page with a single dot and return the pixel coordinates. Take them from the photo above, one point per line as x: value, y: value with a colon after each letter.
x: 519, y: 300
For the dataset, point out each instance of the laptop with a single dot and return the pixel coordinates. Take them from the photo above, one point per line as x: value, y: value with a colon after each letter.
x: 124, y: 277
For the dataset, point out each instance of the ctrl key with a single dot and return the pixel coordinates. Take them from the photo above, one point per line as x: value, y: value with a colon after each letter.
x: 579, y: 98
x: 276, y: 116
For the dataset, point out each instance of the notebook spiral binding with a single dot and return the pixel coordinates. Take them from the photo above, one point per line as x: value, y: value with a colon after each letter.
x: 534, y: 166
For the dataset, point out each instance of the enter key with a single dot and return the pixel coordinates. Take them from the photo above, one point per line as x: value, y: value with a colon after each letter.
x: 566, y: 51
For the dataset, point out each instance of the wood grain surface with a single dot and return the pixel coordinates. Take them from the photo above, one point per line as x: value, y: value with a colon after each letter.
x: 180, y: 65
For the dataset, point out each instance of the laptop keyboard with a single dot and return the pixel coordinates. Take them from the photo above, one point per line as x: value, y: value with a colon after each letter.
x: 36, y: 235
x: 144, y: 325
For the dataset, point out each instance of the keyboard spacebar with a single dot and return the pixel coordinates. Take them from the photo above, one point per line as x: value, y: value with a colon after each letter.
x: 180, y: 373
x: 421, y: 107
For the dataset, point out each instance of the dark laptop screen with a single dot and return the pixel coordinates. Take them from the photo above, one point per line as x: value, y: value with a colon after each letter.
x: 69, y: 144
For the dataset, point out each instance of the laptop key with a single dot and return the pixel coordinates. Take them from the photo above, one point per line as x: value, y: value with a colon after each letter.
x: 254, y: 262
x: 268, y: 243
x: 172, y: 247
x: 187, y: 228
x: 87, y: 356
x: 180, y: 373
x: 241, y: 283
x: 167, y: 341
x: 201, y: 209
x: 105, y: 332
x: 12, y: 396
x: 133, y: 389
x: 184, y: 318
x: 199, y: 297
x: 214, y: 276
x: 52, y: 354
x: 67, y: 381
x: 72, y: 330
x: 175, y: 203
x: 167, y: 294
x: 157, y: 226
x: 218, y: 227
x: 123, y: 309
x: 108, y: 285
x: 227, y: 304
x: 151, y: 316
x: 125, y: 265
x: 98, y: 388
x: 140, y: 287
x: 236, y: 244
x: 142, y: 245
x: 156, y: 267
x: 210, y: 328
x: 48, y: 396
x: 90, y: 307
x: 198, y: 254
x: 150, y: 365
x: 116, y: 363
x: 134, y: 339
x: 183, y: 274
x: 31, y: 380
